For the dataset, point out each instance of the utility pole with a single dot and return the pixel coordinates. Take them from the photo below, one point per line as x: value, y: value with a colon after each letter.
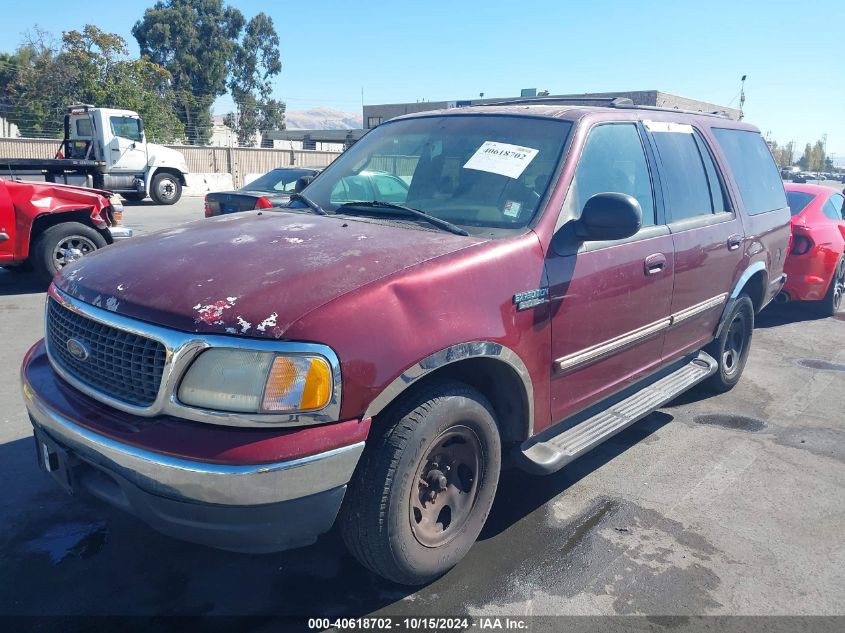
x: 742, y: 97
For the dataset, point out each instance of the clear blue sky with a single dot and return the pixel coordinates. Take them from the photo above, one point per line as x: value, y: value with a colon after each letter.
x: 793, y: 52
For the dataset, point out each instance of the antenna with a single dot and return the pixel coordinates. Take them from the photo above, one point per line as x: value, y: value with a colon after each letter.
x: 742, y: 97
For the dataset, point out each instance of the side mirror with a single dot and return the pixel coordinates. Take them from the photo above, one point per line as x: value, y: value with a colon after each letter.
x: 141, y: 127
x: 301, y: 183
x: 609, y: 216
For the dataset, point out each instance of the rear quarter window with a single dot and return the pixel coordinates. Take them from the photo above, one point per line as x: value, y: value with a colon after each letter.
x: 753, y: 169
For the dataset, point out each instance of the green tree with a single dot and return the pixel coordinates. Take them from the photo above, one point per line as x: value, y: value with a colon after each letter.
x: 256, y: 62
x: 90, y: 67
x: 196, y: 41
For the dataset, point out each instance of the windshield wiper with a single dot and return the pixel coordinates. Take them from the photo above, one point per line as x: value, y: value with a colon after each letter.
x: 311, y: 204
x: 378, y: 204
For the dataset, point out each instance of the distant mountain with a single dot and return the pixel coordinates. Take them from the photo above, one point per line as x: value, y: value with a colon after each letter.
x: 322, y: 118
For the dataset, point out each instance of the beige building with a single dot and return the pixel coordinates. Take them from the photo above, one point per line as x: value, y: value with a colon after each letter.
x: 377, y: 114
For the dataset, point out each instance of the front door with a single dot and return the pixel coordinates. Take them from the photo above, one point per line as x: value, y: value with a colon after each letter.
x: 707, y: 233
x: 610, y: 301
x: 126, y: 152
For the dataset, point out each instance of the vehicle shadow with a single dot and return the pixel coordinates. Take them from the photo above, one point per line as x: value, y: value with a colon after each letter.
x: 520, y: 493
x: 21, y: 283
x: 70, y: 554
x: 775, y: 315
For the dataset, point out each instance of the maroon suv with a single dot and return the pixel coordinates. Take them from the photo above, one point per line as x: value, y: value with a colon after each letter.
x: 542, y: 277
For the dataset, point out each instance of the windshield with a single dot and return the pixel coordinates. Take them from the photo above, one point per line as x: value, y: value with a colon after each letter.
x: 798, y: 201
x: 282, y: 180
x: 474, y: 171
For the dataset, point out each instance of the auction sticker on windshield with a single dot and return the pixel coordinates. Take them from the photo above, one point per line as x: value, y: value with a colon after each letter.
x: 501, y: 158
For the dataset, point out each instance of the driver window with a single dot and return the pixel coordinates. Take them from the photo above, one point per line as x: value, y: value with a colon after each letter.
x: 612, y: 161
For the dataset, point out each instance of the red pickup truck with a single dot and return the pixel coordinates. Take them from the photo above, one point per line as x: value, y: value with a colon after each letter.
x: 549, y: 274
x: 46, y: 226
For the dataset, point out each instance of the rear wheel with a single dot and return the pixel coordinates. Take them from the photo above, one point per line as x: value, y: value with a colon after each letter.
x: 165, y: 189
x: 731, y: 348
x: 425, y: 484
x: 61, y: 245
x: 833, y: 298
x: 133, y: 197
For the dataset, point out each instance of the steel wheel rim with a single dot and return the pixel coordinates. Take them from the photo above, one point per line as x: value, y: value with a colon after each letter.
x: 446, y: 486
x: 167, y: 189
x: 71, y: 249
x: 734, y: 346
x: 839, y: 286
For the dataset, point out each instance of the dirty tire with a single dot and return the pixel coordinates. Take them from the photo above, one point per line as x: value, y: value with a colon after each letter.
x: 46, y: 250
x: 133, y: 197
x: 834, y: 301
x: 165, y: 189
x: 731, y: 348
x: 381, y: 502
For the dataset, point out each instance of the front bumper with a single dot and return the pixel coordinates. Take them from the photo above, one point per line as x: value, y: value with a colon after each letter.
x: 120, y: 232
x: 245, y: 507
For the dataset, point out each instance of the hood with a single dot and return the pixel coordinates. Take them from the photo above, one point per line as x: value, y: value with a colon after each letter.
x: 250, y: 274
x: 162, y: 156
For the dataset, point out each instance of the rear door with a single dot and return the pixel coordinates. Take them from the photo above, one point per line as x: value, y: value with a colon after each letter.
x: 610, y: 301
x: 7, y: 225
x: 834, y: 209
x: 707, y: 234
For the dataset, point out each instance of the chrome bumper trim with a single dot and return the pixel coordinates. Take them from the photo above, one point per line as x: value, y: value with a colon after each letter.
x: 193, y: 481
x: 120, y: 232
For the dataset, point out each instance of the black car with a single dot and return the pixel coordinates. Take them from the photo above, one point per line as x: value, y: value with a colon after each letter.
x: 273, y: 189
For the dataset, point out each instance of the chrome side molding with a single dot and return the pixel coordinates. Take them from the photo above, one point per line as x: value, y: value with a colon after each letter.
x: 597, y: 352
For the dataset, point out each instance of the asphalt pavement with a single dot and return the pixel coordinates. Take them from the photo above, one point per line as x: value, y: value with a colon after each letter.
x: 729, y: 504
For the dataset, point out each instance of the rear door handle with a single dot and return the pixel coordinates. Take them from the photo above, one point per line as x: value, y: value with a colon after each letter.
x: 734, y: 242
x: 654, y: 263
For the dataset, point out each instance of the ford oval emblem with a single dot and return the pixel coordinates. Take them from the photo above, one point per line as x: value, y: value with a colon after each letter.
x: 77, y: 349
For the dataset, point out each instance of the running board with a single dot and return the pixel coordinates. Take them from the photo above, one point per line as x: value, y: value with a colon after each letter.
x: 544, y: 456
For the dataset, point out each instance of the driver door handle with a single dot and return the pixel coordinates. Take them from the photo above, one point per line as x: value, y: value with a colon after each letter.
x: 734, y: 242
x: 654, y: 264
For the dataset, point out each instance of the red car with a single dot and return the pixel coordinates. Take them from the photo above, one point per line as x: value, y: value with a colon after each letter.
x: 47, y: 226
x: 815, y: 266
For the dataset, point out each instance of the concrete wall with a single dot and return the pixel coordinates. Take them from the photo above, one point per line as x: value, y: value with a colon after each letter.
x: 212, y: 168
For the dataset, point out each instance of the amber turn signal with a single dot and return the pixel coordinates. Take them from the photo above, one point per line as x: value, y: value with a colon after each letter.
x: 298, y: 383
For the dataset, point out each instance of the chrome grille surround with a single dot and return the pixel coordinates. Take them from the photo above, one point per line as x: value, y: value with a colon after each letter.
x: 180, y: 350
x: 120, y: 364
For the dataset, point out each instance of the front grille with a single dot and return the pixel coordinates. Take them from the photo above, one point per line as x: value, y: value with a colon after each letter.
x: 120, y: 364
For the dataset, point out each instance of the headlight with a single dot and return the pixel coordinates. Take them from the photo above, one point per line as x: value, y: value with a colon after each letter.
x: 255, y: 382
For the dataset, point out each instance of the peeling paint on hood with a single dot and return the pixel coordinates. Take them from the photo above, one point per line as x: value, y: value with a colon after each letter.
x: 262, y: 282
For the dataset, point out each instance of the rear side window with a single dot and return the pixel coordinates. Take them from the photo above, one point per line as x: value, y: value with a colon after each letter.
x: 833, y: 207
x: 798, y: 201
x: 753, y: 170
x: 687, y: 170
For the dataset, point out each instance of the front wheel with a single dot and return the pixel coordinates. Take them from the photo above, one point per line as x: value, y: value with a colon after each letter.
x: 63, y: 244
x: 165, y: 189
x: 425, y: 484
x: 731, y: 348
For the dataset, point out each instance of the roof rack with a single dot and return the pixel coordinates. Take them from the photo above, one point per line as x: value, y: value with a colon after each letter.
x: 603, y: 102
x: 610, y: 102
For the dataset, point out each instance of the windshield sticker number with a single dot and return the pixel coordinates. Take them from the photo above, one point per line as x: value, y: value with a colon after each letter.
x: 512, y: 209
x: 501, y: 158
